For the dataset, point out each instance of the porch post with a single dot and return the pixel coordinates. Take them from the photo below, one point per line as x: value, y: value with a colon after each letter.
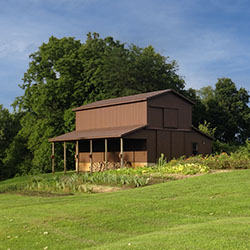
x: 121, y: 147
x: 53, y: 157
x: 64, y: 167
x: 106, y: 153
x: 77, y: 156
x: 91, y: 155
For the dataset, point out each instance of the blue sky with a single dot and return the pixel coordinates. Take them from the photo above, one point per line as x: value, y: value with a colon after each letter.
x: 208, y: 38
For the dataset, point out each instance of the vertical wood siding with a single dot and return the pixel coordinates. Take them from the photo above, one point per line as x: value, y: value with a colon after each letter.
x: 179, y: 109
x: 113, y: 116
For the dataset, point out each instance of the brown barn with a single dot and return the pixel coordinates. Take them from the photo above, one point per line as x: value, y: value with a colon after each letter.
x: 135, y: 129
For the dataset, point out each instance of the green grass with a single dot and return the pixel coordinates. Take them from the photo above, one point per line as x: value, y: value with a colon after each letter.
x: 205, y: 212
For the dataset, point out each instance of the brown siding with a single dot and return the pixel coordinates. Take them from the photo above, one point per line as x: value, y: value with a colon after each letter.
x: 172, y: 101
x: 84, y: 157
x: 150, y: 136
x: 178, y: 144
x: 163, y: 144
x: 156, y: 117
x: 204, y: 143
x: 171, y: 118
x: 172, y: 143
x: 136, y: 158
x: 113, y: 116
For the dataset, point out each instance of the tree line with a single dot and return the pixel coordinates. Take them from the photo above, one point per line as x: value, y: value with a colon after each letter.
x: 66, y: 73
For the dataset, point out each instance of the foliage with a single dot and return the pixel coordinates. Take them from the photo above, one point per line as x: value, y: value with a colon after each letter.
x: 163, y: 169
x: 206, y: 128
x: 188, y: 169
x: 199, y: 109
x: 9, y: 127
x: 245, y: 149
x: 220, y: 147
x: 72, y: 183
x: 162, y: 161
x: 235, y: 160
x: 66, y: 73
x: 18, y: 159
x: 78, y: 182
x: 227, y: 110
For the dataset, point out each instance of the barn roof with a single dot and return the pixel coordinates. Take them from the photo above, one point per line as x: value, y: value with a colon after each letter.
x: 97, y: 133
x: 129, y: 99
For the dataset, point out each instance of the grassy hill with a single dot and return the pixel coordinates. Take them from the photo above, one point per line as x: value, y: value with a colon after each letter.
x: 205, y: 212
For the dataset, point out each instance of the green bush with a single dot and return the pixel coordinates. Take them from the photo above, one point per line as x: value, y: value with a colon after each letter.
x: 187, y: 169
x: 235, y: 160
x: 220, y: 147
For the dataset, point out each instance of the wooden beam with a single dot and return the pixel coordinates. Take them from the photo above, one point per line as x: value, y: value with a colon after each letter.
x: 106, y: 153
x: 53, y: 157
x: 77, y: 156
x: 91, y: 155
x: 64, y: 165
x: 121, y: 148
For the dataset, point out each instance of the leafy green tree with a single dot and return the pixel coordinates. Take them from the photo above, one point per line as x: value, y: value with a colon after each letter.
x: 199, y: 109
x: 206, y: 93
x: 235, y: 106
x: 17, y: 160
x: 206, y: 128
x: 65, y: 73
x: 226, y: 108
x: 9, y: 126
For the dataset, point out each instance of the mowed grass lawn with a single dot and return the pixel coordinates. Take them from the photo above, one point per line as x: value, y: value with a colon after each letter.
x: 204, y: 212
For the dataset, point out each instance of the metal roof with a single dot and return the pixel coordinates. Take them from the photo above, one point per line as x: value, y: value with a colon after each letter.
x: 129, y: 99
x: 97, y: 133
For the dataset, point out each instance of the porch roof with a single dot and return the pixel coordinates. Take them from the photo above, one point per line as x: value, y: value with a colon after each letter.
x: 97, y: 133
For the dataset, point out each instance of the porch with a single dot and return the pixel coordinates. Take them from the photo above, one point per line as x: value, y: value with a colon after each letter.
x: 94, y: 152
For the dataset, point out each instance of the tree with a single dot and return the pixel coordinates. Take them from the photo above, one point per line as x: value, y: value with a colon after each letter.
x: 226, y: 108
x: 199, y: 109
x: 65, y: 73
x: 9, y: 126
x: 206, y: 128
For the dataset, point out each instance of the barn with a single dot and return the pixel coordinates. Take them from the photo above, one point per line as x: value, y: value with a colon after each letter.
x: 134, y: 130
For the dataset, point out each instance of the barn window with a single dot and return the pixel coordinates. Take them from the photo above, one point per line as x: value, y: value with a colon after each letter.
x: 195, y: 148
x: 170, y: 118
x: 113, y: 145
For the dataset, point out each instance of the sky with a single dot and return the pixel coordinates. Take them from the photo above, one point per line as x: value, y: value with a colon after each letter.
x: 209, y: 39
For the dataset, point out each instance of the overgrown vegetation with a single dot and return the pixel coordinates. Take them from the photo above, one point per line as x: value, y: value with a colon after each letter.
x: 234, y: 160
x: 77, y: 182
x: 131, y: 177
x: 135, y: 177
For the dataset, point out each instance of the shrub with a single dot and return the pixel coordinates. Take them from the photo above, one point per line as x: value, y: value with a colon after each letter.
x: 187, y: 169
x: 235, y: 160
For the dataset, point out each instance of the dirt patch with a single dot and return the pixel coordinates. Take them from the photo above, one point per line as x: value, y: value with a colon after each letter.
x: 220, y: 171
x: 92, y: 189
x: 107, y: 189
x: 172, y: 177
x: 40, y: 193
